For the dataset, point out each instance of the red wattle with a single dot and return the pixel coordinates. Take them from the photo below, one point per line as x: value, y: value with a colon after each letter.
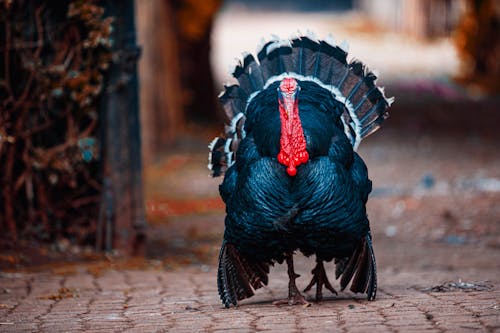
x: 292, y: 141
x: 291, y: 170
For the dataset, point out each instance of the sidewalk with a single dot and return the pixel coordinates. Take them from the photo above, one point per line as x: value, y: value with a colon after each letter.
x: 186, y: 300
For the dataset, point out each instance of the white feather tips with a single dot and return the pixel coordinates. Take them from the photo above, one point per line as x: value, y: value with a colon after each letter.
x: 295, y: 35
x: 389, y: 100
x: 234, y: 121
x: 277, y: 44
x: 271, y: 47
x: 211, y: 147
x: 344, y: 45
x: 261, y: 44
x: 311, y: 35
x: 228, y: 152
x: 330, y: 40
x: 227, y: 146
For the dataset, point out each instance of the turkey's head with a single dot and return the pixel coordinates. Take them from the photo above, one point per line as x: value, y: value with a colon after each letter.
x: 292, y: 141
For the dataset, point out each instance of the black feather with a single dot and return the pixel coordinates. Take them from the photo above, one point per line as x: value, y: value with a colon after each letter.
x: 325, y: 60
x: 217, y: 159
x: 360, y: 279
x: 363, y: 267
x: 268, y: 66
x: 248, y: 82
x: 372, y: 284
x: 305, y: 54
x: 237, y: 277
x: 233, y: 100
x: 287, y: 58
x: 350, y: 267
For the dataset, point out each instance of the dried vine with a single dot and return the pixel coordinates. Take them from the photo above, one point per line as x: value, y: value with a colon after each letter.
x: 54, y: 58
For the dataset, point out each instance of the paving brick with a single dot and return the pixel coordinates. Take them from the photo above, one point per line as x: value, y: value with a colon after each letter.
x: 186, y: 300
x: 18, y: 327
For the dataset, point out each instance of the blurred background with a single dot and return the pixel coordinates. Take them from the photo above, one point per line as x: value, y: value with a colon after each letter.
x: 434, y: 164
x: 437, y: 46
x: 99, y: 186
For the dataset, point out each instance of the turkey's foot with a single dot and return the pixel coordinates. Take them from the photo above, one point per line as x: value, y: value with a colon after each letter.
x: 320, y: 279
x: 294, y: 298
x: 294, y: 295
x: 299, y: 299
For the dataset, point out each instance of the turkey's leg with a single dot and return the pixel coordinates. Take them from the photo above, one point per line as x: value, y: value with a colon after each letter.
x: 320, y: 279
x: 294, y: 295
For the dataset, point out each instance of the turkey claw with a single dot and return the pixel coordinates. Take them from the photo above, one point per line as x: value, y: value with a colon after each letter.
x: 320, y: 279
x: 294, y: 300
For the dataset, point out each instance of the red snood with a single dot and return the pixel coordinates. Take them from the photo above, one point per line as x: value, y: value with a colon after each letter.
x: 292, y: 141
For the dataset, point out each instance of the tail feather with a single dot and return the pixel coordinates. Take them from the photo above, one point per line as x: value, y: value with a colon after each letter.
x: 360, y: 280
x: 374, y: 116
x: 322, y: 62
x: 307, y: 49
x: 363, y: 109
x: 350, y: 84
x: 363, y: 267
x: 249, y: 75
x: 217, y: 157
x: 238, y: 277
x: 372, y: 284
x: 225, y: 283
x: 287, y: 57
x: 340, y: 266
x: 267, y: 64
x: 233, y: 100
x: 328, y: 57
x: 350, y: 268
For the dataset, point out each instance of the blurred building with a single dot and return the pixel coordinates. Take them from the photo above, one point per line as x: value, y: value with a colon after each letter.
x: 418, y: 18
x: 295, y: 5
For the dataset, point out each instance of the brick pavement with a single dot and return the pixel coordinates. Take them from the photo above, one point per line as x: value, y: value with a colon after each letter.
x: 185, y: 300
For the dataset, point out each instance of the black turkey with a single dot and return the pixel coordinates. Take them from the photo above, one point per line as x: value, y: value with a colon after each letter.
x: 293, y: 181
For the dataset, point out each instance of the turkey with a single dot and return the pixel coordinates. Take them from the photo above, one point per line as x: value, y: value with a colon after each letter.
x: 292, y: 179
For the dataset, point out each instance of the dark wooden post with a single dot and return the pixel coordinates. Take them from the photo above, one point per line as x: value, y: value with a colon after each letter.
x: 122, y: 218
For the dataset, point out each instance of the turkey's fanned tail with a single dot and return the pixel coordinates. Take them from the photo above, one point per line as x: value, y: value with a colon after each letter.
x: 360, y: 270
x: 307, y: 59
x: 238, y: 277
